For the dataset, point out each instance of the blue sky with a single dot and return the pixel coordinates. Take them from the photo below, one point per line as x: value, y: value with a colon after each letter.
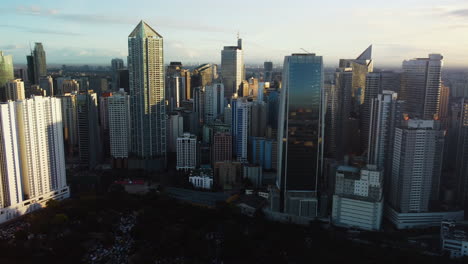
x: 93, y: 32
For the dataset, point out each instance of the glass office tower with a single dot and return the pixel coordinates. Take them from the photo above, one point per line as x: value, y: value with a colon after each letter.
x: 300, y: 130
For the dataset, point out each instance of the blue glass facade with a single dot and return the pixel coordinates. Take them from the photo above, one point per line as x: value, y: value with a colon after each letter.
x: 300, y: 123
x: 262, y: 150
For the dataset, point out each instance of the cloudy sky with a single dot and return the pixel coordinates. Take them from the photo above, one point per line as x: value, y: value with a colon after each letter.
x: 93, y: 32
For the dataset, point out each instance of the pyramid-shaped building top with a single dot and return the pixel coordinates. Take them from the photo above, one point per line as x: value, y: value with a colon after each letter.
x: 143, y: 30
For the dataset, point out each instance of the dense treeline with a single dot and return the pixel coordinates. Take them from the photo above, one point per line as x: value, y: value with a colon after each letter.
x: 167, y: 231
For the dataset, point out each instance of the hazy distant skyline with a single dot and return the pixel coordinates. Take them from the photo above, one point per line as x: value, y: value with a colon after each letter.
x: 94, y: 32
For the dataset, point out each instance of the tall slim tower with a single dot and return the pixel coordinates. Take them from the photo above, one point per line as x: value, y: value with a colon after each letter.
x: 420, y: 86
x: 232, y: 68
x: 147, y: 106
x: 116, y: 64
x: 40, y: 66
x: 300, y: 130
x: 376, y: 83
x: 462, y: 153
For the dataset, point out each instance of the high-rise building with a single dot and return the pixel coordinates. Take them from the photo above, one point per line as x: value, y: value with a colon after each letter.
x: 232, y: 68
x: 214, y: 101
x: 47, y: 83
x: 175, y: 129
x: 202, y: 75
x: 123, y: 80
x: 300, y: 130
x: 32, y: 156
x: 186, y: 152
x: 227, y: 175
x: 338, y: 115
x: 264, y: 152
x: 462, y: 153
x: 272, y: 100
x: 241, y: 128
x: 222, y: 147
x: 258, y: 119
x: 228, y: 115
x: 376, y: 82
x: 119, y: 126
x: 14, y: 90
x: 37, y: 66
x: 362, y: 65
x: 187, y: 81
x: 148, y: 109
x: 69, y: 86
x: 416, y: 168
x: 268, y: 71
x: 116, y: 64
x: 70, y: 122
x: 420, y: 86
x: 358, y: 198
x: 89, y: 143
x: 444, y: 106
x: 253, y: 87
x: 385, y: 115
x: 97, y: 84
x: 175, y: 86
x: 6, y: 71
x: 104, y: 123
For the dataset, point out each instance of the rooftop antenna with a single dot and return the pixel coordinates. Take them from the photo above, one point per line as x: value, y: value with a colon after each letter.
x: 306, y: 51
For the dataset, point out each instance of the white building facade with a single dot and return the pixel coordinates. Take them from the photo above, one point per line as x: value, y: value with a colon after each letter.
x: 186, y: 152
x: 119, y: 124
x: 358, y: 198
x: 32, y: 156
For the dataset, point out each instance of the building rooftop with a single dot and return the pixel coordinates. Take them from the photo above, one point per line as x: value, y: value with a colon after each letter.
x: 454, y: 230
x: 143, y: 30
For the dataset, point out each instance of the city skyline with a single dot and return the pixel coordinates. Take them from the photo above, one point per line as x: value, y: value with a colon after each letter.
x: 74, y: 36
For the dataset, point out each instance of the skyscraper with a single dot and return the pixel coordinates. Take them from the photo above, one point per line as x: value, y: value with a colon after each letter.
x: 175, y: 129
x: 32, y: 155
x: 89, y: 142
x: 268, y: 71
x: 362, y: 65
x: 37, y: 66
x: 214, y: 101
x: 70, y: 122
x: 186, y: 152
x: 462, y: 153
x: 119, y: 125
x: 47, y: 83
x: 148, y: 109
x: 116, y: 64
x: 232, y: 68
x: 202, y: 75
x: 222, y: 147
x: 6, y: 72
x: 417, y: 164
x: 241, y: 128
x: 376, y: 82
x: 300, y: 130
x: 385, y: 115
x: 420, y: 86
x: 14, y: 90
x: 338, y: 116
x: 175, y: 86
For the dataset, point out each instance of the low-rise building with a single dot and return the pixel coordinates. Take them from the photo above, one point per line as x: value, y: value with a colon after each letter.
x: 358, y: 199
x: 202, y: 179
x: 454, y: 238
